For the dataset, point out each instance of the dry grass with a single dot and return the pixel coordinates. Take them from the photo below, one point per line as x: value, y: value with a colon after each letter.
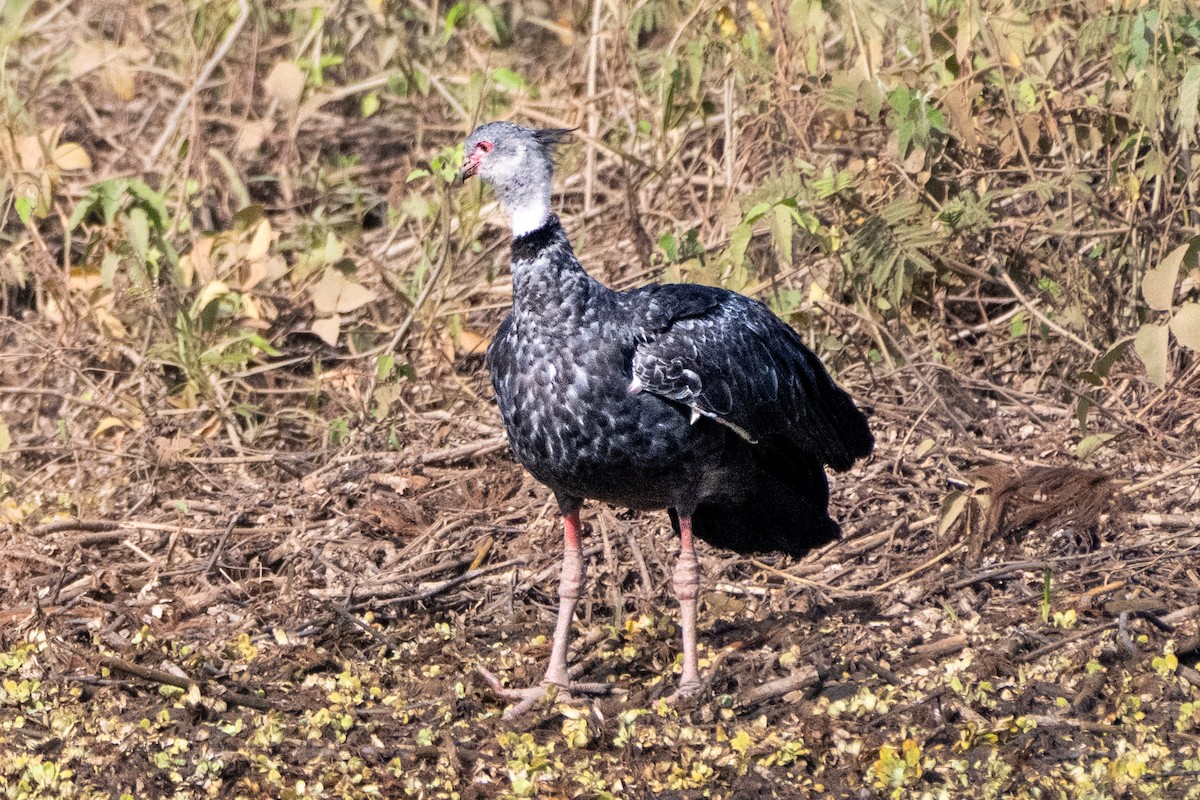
x: 259, y: 519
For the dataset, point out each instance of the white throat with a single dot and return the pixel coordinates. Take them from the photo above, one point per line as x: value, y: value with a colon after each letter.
x: 529, y: 216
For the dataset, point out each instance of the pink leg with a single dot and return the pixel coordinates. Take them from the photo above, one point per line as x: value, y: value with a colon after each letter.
x: 686, y: 581
x: 570, y: 586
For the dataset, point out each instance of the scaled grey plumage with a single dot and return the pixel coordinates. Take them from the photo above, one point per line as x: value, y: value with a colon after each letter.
x: 685, y: 397
x: 689, y: 398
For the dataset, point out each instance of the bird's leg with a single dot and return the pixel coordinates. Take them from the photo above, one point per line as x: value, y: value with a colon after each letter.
x: 570, y: 587
x: 686, y: 582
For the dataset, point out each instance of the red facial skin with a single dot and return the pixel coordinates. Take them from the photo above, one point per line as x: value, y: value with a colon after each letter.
x: 471, y: 163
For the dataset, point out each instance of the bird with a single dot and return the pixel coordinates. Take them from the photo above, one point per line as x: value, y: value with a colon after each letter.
x: 689, y: 398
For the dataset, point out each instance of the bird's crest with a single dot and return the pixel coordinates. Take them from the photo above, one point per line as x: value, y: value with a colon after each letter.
x: 550, y: 137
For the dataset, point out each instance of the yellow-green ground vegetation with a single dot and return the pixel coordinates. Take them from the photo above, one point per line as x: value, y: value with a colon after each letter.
x: 259, y: 523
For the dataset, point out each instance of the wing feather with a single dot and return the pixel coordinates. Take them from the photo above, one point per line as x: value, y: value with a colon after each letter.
x: 728, y: 358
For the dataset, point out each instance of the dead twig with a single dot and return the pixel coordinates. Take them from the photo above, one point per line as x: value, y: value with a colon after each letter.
x: 224, y: 540
x: 168, y: 679
x: 803, y: 678
x: 89, y: 525
x: 920, y: 568
x: 394, y: 597
x: 173, y: 121
x: 1032, y: 308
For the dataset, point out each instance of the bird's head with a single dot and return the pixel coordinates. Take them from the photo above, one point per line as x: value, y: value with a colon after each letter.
x: 502, y: 152
x: 517, y: 162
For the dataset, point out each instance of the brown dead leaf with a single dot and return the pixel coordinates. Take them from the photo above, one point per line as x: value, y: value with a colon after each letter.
x: 326, y: 328
x: 285, y: 84
x: 261, y: 241
x: 336, y: 293
x: 69, y: 156
x: 471, y: 343
x: 1186, y: 325
x: 252, y: 135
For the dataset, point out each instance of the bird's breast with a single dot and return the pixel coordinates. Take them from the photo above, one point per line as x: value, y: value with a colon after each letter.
x: 573, y: 422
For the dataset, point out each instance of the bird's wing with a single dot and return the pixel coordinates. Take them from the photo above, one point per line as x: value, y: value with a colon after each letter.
x: 500, y: 362
x: 729, y: 358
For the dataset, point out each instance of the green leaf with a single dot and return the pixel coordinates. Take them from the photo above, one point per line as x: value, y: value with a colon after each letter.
x: 937, y: 121
x: 453, y: 17
x: 507, y: 79
x: 24, y: 208
x: 13, y: 13
x: 901, y: 100
x: 806, y: 220
x: 1090, y: 444
x: 370, y: 104
x: 905, y: 130
x: 1019, y: 325
x: 492, y: 24
x: 781, y: 233
x: 81, y: 211
x: 138, y: 228
x: 1027, y: 99
x: 667, y: 243
x: 1151, y: 346
x: 872, y: 99
x: 154, y: 202
x: 262, y: 344
x: 1105, y: 363
x: 385, y: 364
x: 108, y: 269
x: 756, y: 212
x: 739, y: 241
x: 112, y: 195
x: 421, y: 79
x: 1082, y: 407
x: 248, y: 217
x: 398, y: 85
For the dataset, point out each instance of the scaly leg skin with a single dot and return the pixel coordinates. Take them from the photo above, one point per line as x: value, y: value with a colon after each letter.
x: 570, y: 586
x: 686, y: 581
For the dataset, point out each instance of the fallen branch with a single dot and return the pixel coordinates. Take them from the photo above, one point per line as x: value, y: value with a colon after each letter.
x: 919, y: 568
x: 452, y: 456
x: 937, y: 649
x: 102, y: 527
x: 1058, y: 644
x: 87, y: 525
x: 1177, y: 521
x: 803, y: 678
x: 393, y: 596
x: 168, y: 679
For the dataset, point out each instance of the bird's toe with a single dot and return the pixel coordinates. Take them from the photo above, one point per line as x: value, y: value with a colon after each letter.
x: 528, y: 697
x: 687, y: 691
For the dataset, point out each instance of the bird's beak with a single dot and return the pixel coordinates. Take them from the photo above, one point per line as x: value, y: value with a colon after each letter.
x: 470, y: 167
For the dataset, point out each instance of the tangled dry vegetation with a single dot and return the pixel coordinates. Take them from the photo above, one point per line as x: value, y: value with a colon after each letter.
x: 259, y: 521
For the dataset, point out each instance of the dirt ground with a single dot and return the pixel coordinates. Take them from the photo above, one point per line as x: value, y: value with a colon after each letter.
x: 258, y: 522
x: 182, y: 621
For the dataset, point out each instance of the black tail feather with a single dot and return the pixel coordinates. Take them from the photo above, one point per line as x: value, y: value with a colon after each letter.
x: 787, y: 512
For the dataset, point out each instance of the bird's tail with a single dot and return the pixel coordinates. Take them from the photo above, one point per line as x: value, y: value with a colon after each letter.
x: 786, y: 512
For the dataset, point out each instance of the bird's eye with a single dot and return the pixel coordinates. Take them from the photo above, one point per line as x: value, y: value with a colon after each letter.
x: 484, y: 147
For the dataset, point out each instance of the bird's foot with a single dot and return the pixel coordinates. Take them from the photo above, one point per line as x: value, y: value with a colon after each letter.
x: 530, y: 696
x: 688, y: 690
